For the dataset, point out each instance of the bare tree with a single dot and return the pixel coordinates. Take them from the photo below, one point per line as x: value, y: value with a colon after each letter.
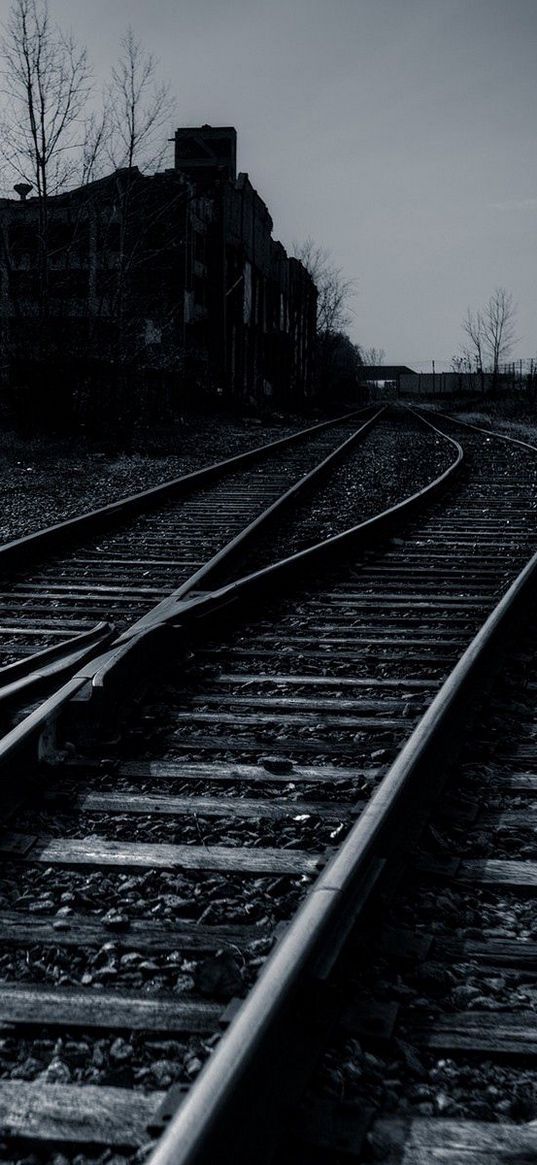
x: 373, y: 356
x: 490, y: 334
x: 95, y: 145
x: 498, y: 326
x: 463, y: 361
x: 52, y: 139
x: 333, y: 313
x: 473, y: 327
x: 334, y: 290
x: 139, y: 107
x: 46, y: 80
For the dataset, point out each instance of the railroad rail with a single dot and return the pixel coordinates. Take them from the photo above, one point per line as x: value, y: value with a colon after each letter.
x: 458, y: 978
x: 114, y: 563
x: 291, y: 715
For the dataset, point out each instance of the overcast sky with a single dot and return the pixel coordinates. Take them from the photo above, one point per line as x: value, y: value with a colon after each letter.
x: 400, y: 134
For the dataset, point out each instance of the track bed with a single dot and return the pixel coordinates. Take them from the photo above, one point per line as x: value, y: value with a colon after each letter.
x: 145, y: 882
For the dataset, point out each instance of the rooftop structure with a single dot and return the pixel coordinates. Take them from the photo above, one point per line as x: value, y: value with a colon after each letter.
x: 174, y: 277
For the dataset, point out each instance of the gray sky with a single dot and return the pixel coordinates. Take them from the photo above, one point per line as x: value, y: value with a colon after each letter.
x: 400, y: 134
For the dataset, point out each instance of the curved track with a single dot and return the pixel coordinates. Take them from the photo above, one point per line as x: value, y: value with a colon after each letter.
x: 251, y: 765
x: 67, y: 591
x: 454, y: 943
x: 117, y: 562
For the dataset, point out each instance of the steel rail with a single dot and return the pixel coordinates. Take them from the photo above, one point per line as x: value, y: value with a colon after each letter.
x: 319, y: 908
x: 111, y: 675
x: 85, y: 653
x: 211, y: 1117
x: 212, y: 1122
x: 41, y: 721
x: 28, y: 677
x: 479, y: 429
x: 19, y: 550
x: 25, y: 677
x: 363, y: 534
x: 51, y: 663
x: 41, y: 660
x: 208, y: 573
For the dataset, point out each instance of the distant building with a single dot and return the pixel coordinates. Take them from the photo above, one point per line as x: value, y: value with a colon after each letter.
x: 174, y: 278
x: 384, y: 374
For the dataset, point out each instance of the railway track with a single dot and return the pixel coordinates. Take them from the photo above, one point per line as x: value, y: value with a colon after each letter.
x: 67, y: 589
x: 143, y: 887
x: 451, y: 1073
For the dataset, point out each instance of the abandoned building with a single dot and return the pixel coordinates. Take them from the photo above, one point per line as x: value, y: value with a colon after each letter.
x: 173, y: 278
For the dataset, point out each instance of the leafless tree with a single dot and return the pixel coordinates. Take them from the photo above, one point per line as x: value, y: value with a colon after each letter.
x: 95, y: 145
x: 46, y: 80
x: 498, y: 326
x: 373, y: 356
x: 334, y: 290
x: 333, y: 312
x: 463, y: 361
x: 473, y: 327
x: 54, y: 136
x: 139, y: 107
x: 490, y: 333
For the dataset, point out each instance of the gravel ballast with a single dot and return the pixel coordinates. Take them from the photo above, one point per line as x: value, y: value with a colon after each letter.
x: 398, y: 460
x: 46, y: 480
x: 397, y: 1077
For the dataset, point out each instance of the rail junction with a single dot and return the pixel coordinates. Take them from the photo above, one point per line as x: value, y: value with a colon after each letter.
x: 226, y: 775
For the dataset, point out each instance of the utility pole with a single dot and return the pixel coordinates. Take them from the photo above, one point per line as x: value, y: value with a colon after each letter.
x: 434, y: 379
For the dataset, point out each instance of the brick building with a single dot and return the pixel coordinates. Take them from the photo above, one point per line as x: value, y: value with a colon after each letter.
x: 172, y: 279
